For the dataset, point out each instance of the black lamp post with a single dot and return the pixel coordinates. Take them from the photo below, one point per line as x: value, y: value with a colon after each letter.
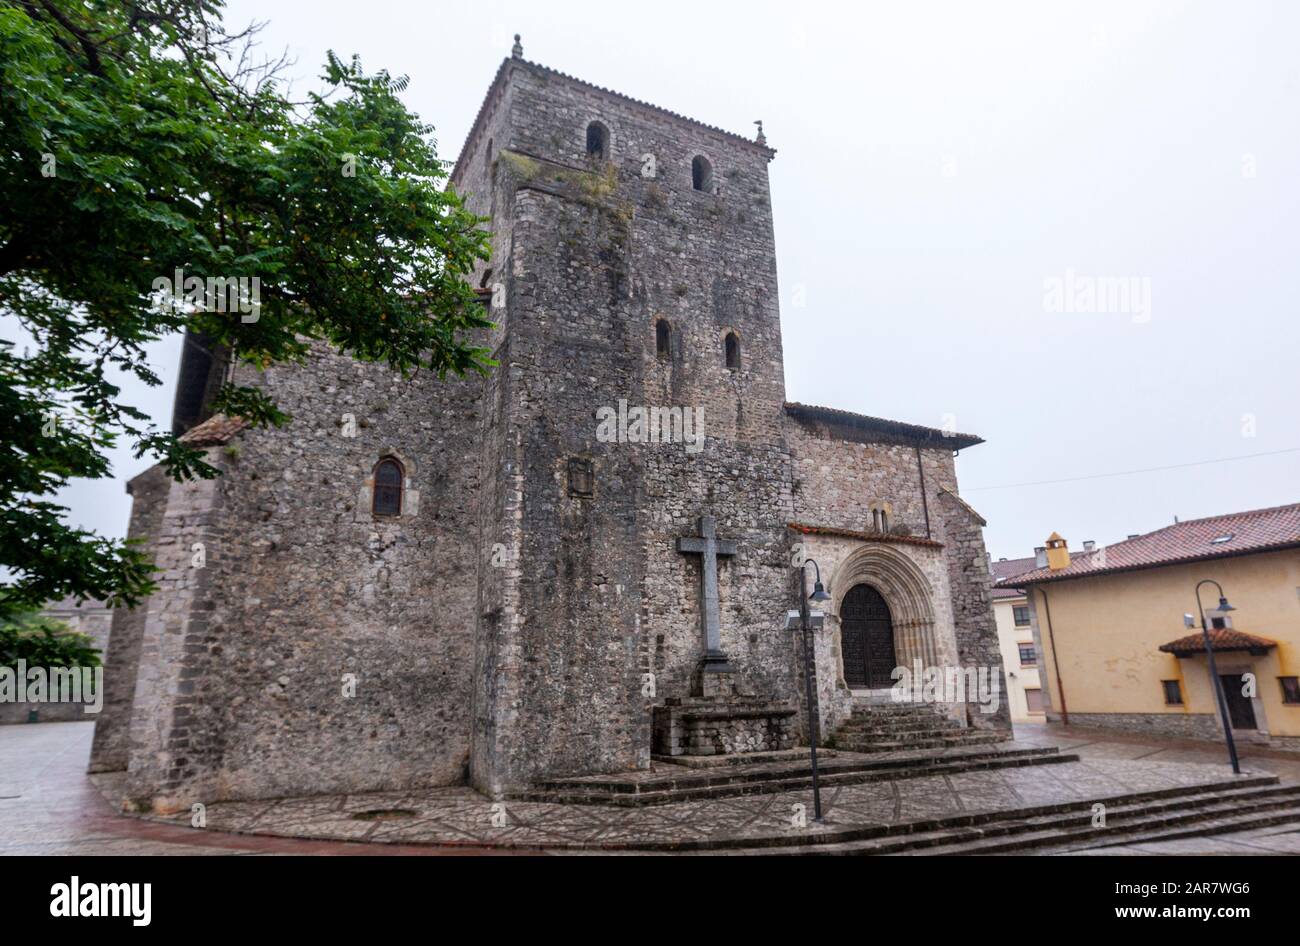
x: 1214, y: 670
x: 819, y: 594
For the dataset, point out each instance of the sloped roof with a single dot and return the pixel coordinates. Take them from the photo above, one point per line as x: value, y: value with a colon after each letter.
x: 213, y: 432
x: 1008, y: 568
x: 1238, y: 533
x: 892, y: 429
x: 1221, y: 638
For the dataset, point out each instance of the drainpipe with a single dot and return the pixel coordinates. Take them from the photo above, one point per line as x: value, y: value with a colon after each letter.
x: 925, y: 503
x: 1056, y: 665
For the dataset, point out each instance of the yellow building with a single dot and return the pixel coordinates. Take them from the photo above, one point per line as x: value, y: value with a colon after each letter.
x: 1116, y: 649
x: 1016, y: 642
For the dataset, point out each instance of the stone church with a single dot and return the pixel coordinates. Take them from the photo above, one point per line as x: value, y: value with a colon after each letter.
x: 420, y: 582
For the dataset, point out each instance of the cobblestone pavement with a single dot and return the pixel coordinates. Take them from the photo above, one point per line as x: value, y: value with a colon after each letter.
x: 48, y: 805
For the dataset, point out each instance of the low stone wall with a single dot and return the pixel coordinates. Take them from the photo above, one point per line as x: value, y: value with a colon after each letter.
x: 1178, y: 725
x: 699, y: 727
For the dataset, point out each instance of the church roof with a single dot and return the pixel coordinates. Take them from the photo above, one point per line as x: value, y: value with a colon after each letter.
x: 1238, y: 533
x: 512, y: 62
x: 888, y: 430
x: 213, y: 432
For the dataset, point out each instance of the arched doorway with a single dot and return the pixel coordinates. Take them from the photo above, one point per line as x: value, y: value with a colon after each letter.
x: 867, y: 639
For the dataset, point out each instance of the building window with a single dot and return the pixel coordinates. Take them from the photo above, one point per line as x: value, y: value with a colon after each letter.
x: 1028, y: 656
x: 663, y: 339
x: 732, y: 346
x: 1034, y: 701
x: 597, y: 141
x: 702, y: 174
x: 1218, y: 623
x: 1173, y: 692
x: 388, y: 488
x: 582, y: 477
x: 1290, y: 689
x: 1021, y: 614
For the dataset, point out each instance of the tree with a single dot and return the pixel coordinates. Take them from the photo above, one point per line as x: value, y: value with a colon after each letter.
x: 44, y: 642
x: 139, y: 142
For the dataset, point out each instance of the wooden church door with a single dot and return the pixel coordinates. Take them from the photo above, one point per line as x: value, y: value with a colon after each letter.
x: 867, y: 639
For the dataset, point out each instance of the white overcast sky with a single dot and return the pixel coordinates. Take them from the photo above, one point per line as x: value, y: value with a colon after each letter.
x: 937, y: 163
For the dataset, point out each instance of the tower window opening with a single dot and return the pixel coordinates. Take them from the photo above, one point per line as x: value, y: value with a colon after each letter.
x: 663, y: 339
x: 387, y: 499
x: 732, y: 345
x: 597, y: 141
x: 702, y: 174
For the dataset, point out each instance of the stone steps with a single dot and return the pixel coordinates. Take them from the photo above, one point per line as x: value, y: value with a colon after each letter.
x: 926, y: 741
x: 1192, y: 812
x: 887, y: 727
x: 694, y: 785
x: 901, y: 725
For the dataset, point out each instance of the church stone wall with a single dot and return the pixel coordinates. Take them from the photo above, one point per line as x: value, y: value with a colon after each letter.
x: 244, y: 662
x: 970, y: 583
x: 110, y: 751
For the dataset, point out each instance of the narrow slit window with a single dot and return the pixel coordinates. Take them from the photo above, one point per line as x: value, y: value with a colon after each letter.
x: 663, y: 339
x: 702, y: 174
x: 388, y: 488
x: 597, y: 141
x: 732, y: 347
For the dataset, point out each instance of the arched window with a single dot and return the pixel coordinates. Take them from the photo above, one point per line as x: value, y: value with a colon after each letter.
x: 663, y: 339
x: 597, y: 141
x: 702, y: 174
x: 732, y: 344
x: 388, y: 488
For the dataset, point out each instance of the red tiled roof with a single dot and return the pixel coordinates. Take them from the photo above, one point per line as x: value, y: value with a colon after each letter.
x: 896, y: 429
x: 1241, y: 533
x: 1002, y: 570
x: 1221, y: 638
x: 213, y: 432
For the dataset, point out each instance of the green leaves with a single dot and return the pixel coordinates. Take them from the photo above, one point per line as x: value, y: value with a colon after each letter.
x: 127, y: 154
x: 42, y: 642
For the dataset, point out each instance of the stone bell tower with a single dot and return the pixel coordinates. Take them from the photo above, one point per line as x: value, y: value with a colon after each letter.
x: 633, y: 267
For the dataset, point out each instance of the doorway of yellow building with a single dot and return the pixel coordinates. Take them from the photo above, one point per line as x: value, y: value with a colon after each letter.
x: 1240, y: 708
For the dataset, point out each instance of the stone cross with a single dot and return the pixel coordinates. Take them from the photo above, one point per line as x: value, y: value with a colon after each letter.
x: 708, y: 547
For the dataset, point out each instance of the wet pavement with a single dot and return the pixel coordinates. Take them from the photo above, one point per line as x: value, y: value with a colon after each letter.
x: 48, y: 805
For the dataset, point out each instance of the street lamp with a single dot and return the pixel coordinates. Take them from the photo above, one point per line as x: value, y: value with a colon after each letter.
x: 819, y: 594
x: 1214, y: 671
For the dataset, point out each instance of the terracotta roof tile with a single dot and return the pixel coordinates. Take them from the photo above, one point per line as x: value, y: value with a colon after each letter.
x: 1221, y: 638
x: 213, y: 432
x: 1239, y: 533
x: 1002, y: 570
